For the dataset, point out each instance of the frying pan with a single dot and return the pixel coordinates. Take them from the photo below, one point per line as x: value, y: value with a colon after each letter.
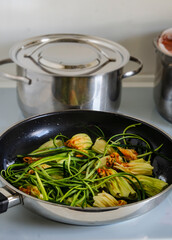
x: 32, y: 132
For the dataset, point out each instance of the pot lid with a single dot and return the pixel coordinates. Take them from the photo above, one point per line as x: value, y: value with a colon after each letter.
x: 69, y: 55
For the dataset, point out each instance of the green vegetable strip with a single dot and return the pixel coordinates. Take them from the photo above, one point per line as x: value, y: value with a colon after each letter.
x: 45, y: 196
x: 70, y: 192
x: 148, y: 153
x: 128, y: 127
x: 75, y: 198
x: 123, y: 137
x: 89, y: 187
x: 132, y: 136
x: 68, y: 164
x: 58, y: 136
x: 45, y: 160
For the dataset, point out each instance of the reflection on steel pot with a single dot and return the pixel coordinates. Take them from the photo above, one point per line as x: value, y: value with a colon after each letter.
x: 30, y: 133
x: 64, y: 71
x: 163, y: 74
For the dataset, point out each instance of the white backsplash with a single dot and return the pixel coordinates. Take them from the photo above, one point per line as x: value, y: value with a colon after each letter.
x: 132, y: 23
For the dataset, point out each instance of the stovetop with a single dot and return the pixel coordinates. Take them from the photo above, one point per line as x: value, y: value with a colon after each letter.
x: 19, y: 223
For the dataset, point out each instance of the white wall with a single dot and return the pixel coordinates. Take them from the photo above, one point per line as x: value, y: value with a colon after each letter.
x: 132, y: 23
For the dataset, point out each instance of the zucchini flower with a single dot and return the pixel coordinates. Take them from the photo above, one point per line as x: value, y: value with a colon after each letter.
x: 102, y: 162
x: 129, y: 154
x: 50, y: 144
x: 108, y: 161
x: 100, y: 146
x: 151, y: 186
x: 31, y: 190
x: 104, y: 199
x: 139, y: 166
x: 80, y: 141
x: 119, y: 186
x: 43, y: 166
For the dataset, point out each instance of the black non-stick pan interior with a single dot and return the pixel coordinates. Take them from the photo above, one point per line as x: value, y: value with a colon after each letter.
x: 31, y: 133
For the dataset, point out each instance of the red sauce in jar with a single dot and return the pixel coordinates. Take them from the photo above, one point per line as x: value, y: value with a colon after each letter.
x: 166, y: 40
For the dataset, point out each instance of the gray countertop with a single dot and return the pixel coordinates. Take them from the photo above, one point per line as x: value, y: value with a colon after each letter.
x: 18, y: 223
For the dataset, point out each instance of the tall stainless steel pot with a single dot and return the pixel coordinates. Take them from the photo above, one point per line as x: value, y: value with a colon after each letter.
x: 163, y: 82
x: 64, y: 71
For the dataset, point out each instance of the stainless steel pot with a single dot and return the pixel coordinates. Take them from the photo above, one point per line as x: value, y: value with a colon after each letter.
x: 163, y: 82
x: 63, y: 71
x: 24, y: 136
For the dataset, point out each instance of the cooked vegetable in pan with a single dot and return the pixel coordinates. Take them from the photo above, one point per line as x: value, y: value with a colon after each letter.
x: 84, y: 172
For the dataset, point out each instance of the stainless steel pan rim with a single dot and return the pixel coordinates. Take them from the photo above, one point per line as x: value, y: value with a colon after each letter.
x: 86, y: 216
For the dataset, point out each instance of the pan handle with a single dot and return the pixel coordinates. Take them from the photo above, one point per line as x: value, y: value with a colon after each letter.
x: 13, y: 77
x: 8, y: 198
x: 134, y: 72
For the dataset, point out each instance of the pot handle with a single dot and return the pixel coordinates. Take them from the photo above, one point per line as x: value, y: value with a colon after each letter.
x: 8, y: 198
x: 134, y: 72
x: 13, y: 77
